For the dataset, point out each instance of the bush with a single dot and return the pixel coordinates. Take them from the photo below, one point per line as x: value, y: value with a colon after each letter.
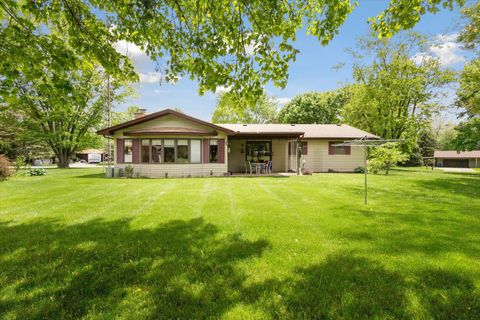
x: 5, y: 170
x: 359, y: 170
x: 20, y: 162
x: 385, y: 157
x: 38, y: 172
x: 129, y: 172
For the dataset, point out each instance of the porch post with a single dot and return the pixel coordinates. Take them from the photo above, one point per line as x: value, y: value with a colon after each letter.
x: 297, y: 150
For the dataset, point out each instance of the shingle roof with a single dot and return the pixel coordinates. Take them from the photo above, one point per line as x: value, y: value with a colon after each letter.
x: 342, y: 131
x: 457, y: 155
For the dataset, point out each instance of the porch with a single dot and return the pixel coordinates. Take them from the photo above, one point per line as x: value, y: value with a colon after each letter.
x: 280, y: 150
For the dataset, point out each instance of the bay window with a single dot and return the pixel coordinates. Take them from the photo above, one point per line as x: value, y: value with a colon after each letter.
x: 195, y: 151
x: 213, y: 151
x: 169, y: 151
x: 127, y: 151
x: 145, y: 153
x: 182, y: 151
x: 156, y: 150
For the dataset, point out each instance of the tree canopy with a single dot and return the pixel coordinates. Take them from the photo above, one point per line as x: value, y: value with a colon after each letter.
x: 242, y: 44
x: 314, y: 107
x: 233, y: 108
x: 393, y: 95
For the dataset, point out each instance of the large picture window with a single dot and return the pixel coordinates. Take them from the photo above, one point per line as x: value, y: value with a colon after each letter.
x: 169, y: 150
x: 213, y: 151
x: 182, y: 151
x: 156, y: 150
x: 127, y: 151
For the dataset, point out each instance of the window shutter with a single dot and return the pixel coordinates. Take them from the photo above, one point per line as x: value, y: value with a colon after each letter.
x: 135, y: 150
x: 304, y: 148
x: 120, y: 151
x: 331, y: 148
x: 206, y: 150
x: 289, y: 148
x: 347, y: 150
x: 221, y: 150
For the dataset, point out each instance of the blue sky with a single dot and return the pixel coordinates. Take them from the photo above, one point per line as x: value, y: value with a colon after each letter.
x: 312, y: 71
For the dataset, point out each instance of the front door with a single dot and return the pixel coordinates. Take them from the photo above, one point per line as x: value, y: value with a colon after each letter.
x: 259, y: 151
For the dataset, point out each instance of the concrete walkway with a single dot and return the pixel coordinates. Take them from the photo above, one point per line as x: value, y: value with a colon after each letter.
x: 466, y: 170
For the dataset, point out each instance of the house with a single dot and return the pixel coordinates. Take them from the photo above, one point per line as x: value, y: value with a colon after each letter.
x: 170, y: 143
x: 458, y: 159
x: 91, y: 155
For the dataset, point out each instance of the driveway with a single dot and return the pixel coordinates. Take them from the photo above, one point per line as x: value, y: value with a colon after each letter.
x: 467, y: 170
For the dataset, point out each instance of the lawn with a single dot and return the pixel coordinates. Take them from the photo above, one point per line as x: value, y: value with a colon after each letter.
x: 76, y: 245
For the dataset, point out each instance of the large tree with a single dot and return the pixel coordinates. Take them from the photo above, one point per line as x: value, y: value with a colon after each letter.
x: 243, y: 44
x: 394, y: 96
x: 60, y: 92
x: 314, y: 107
x: 234, y: 108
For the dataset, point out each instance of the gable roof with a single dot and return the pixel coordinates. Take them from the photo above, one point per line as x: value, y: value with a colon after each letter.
x: 340, y: 131
x: 155, y: 115
x: 457, y: 154
x: 330, y: 131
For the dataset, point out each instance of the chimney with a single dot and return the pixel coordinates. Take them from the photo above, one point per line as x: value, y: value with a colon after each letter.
x: 140, y: 113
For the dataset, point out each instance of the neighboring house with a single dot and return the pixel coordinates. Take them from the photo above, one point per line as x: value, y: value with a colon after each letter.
x: 170, y: 143
x: 91, y: 155
x: 458, y: 159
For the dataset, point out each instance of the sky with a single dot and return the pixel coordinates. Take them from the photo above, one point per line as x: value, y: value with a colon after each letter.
x: 312, y: 71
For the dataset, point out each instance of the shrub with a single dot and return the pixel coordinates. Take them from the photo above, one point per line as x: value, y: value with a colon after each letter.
x: 5, y: 170
x: 20, y: 162
x: 385, y: 157
x: 38, y: 172
x: 129, y: 172
x: 359, y: 170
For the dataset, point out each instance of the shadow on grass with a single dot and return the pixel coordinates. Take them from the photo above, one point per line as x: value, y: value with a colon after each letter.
x: 187, y: 269
x: 178, y: 270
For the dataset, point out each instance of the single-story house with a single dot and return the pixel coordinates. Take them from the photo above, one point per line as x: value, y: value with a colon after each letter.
x: 458, y: 159
x: 170, y: 143
x: 91, y: 155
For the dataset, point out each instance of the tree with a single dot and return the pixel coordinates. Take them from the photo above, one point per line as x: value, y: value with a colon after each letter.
x: 385, y: 157
x: 60, y: 103
x: 242, y: 44
x: 468, y: 135
x: 314, y: 107
x: 393, y: 96
x: 468, y: 93
x: 234, y: 108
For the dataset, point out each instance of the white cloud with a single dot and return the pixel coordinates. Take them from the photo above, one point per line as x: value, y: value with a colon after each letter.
x: 282, y: 101
x: 444, y: 48
x: 150, y: 77
x: 130, y: 50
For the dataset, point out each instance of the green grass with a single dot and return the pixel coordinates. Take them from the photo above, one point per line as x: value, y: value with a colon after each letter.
x: 76, y: 245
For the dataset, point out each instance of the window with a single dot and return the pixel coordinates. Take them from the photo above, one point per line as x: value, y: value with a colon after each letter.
x: 182, y: 151
x: 145, y: 150
x: 258, y: 151
x: 304, y: 148
x: 169, y: 151
x: 127, y: 151
x: 213, y: 151
x: 337, y: 150
x: 195, y: 151
x: 156, y: 150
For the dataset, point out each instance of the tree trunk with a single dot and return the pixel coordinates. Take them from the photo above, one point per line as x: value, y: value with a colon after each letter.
x: 63, y: 159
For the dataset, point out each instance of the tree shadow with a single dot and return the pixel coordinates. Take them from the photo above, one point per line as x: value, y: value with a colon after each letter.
x: 102, y: 268
x: 448, y: 295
